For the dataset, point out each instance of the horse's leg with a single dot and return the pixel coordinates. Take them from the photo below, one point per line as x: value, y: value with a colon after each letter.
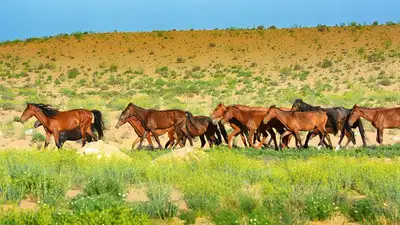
x: 83, y: 133
x: 329, y: 140
x: 298, y: 139
x: 56, y: 135
x: 148, y: 138
x: 380, y: 136
x: 135, y: 142
x: 310, y: 136
x: 243, y: 137
x: 90, y: 132
x: 153, y: 132
x: 284, y: 134
x: 251, y: 136
x: 142, y: 138
x: 202, y: 140
x: 273, y: 137
x: 232, y: 135
x: 47, y: 141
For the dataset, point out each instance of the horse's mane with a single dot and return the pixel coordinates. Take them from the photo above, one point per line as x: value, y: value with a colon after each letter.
x: 48, y: 110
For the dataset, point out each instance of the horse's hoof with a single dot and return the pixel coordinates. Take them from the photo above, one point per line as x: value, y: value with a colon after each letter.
x: 319, y: 147
x: 337, y: 147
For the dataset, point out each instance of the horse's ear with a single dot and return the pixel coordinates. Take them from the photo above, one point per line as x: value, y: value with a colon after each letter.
x: 355, y: 106
x: 273, y: 106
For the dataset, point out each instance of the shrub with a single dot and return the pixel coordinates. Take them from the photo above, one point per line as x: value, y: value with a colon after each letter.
x: 73, y: 73
x: 38, y: 137
x: 212, y: 45
x: 376, y: 57
x: 113, y: 68
x: 326, y: 63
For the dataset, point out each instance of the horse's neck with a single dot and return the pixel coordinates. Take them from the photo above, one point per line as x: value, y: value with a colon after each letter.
x: 282, y: 116
x: 238, y: 114
x: 42, y: 118
x: 368, y: 114
x: 140, y: 113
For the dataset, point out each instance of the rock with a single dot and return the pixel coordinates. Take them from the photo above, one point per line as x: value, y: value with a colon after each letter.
x: 101, y: 149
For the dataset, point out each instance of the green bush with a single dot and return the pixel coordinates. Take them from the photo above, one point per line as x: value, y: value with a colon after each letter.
x: 326, y: 63
x: 38, y: 137
x: 73, y: 73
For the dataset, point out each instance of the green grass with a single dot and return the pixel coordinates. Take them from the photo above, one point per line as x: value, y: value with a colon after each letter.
x: 238, y: 186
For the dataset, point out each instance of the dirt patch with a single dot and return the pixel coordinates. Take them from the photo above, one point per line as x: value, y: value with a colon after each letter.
x: 72, y: 193
x: 185, y: 153
x: 178, y: 198
x: 28, y: 204
x: 335, y: 220
x: 137, y: 195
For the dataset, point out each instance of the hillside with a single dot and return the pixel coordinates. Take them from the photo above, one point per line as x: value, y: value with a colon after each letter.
x: 195, y: 70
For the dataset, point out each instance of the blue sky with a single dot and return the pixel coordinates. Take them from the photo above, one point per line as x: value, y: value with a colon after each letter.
x: 21, y: 19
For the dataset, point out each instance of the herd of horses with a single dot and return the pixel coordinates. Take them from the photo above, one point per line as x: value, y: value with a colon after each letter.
x: 253, y: 124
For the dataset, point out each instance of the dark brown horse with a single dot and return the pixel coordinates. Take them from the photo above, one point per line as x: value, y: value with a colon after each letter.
x: 237, y: 126
x: 55, y: 121
x: 71, y: 135
x: 337, y: 120
x: 300, y: 121
x: 152, y: 120
x: 205, y: 129
x: 380, y: 118
x: 139, y: 130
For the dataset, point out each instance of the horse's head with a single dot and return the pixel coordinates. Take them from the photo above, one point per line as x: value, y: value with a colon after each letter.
x: 28, y: 112
x: 218, y: 112
x: 297, y: 104
x: 227, y: 115
x: 271, y: 113
x: 128, y: 111
x: 355, y: 114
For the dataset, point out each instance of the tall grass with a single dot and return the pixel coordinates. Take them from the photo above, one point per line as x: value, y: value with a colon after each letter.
x: 230, y: 187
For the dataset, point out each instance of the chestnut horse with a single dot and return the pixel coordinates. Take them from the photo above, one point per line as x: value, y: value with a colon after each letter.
x: 380, y: 118
x: 205, y: 128
x: 55, y: 121
x: 251, y: 118
x: 139, y: 130
x: 337, y: 120
x: 300, y: 121
x: 237, y: 126
x: 71, y: 135
x: 152, y: 120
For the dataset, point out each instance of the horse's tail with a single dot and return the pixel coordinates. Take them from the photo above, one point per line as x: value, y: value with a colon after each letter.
x: 223, y: 131
x: 98, y: 123
x: 190, y: 119
x: 332, y: 120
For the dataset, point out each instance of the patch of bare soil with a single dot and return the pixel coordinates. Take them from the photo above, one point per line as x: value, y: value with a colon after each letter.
x: 137, y: 195
x: 28, y: 204
x: 335, y: 220
x: 72, y: 193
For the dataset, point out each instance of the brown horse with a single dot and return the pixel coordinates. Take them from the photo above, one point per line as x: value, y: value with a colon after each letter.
x: 55, y: 121
x: 152, y: 120
x: 139, y: 130
x: 71, y: 135
x: 337, y: 120
x: 251, y: 118
x: 205, y: 129
x: 380, y: 118
x: 300, y: 121
x: 237, y: 126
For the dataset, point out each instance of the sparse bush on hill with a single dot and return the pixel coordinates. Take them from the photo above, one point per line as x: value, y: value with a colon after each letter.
x: 73, y: 73
x: 376, y: 57
x: 326, y: 63
x: 211, y: 45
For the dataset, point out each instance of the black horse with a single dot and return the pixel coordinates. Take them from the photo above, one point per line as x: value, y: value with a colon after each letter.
x: 72, y: 135
x: 337, y: 117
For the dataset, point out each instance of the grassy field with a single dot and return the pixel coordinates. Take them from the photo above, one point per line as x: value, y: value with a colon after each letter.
x: 219, y: 186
